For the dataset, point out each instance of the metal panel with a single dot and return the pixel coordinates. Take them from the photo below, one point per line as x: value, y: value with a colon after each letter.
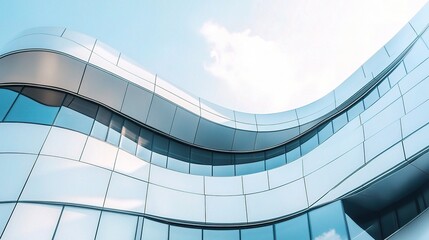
x: 161, y: 114
x: 244, y: 140
x: 400, y: 41
x: 257, y: 182
x: 103, y: 87
x: 214, y: 136
x: 42, y: 68
x: 184, y: 125
x: 278, y: 202
x: 137, y: 102
x: 176, y: 180
x: 226, y: 209
x: 223, y: 185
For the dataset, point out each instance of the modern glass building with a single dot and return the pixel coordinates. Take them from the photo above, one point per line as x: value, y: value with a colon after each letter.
x: 94, y: 147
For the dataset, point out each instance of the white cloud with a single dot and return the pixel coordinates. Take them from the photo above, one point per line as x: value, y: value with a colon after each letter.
x: 294, y: 52
x: 247, y: 63
x: 329, y: 235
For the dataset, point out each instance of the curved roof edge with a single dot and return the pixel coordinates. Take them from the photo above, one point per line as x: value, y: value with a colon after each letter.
x: 192, y: 119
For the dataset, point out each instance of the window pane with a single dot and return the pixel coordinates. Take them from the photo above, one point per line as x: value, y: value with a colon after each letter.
x: 201, y: 156
x: 407, y: 212
x: 293, y: 151
x: 248, y: 168
x: 203, y: 170
x: 355, y: 110
x: 384, y: 87
x: 180, y: 233
x: 130, y: 135
x: 371, y: 98
x: 261, y: 233
x: 154, y: 230
x: 159, y: 159
x: 226, y: 170
x: 275, y: 162
x: 339, y: 122
x: 7, y: 97
x: 296, y: 228
x: 179, y: 151
x: 145, y: 144
x: 71, y: 119
x: 102, y: 121
x: 221, y: 235
x: 328, y: 221
x: 115, y: 128
x: 325, y: 132
x: 388, y: 223
x: 309, y: 142
x: 28, y: 110
x: 177, y: 165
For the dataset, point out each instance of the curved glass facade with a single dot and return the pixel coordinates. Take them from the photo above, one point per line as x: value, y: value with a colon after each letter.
x: 94, y: 147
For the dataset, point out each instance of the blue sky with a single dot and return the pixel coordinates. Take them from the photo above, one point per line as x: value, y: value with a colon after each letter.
x: 249, y: 55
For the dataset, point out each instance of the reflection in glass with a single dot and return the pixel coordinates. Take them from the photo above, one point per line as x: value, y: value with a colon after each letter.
x: 295, y: 228
x: 26, y: 109
x: 198, y: 169
x: 275, y: 162
x: 325, y: 132
x: 340, y: 121
x: 354, y: 111
x: 180, y: 233
x: 293, y: 151
x: 223, y: 171
x: 328, y: 222
x: 102, y: 121
x: 159, y: 159
x: 154, y: 230
x: 248, y: 168
x: 7, y: 97
x: 309, y: 142
x: 371, y: 98
x: 177, y: 165
x: 260, y: 233
x: 115, y: 128
x: 71, y: 119
x: 221, y: 235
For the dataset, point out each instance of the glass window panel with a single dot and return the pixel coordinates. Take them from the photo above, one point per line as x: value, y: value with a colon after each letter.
x: 103, y: 116
x: 129, y: 138
x: 275, y: 162
x: 44, y: 96
x: 293, y: 151
x: 221, y: 235
x: 203, y: 170
x: 5, y: 211
x: 178, y: 165
x: 407, y: 212
x: 115, y: 128
x: 7, y: 97
x: 222, y: 158
x: 160, y: 144
x: 328, y: 221
x: 357, y: 109
x: 309, y: 142
x: 71, y: 119
x: 325, y: 132
x: 261, y: 233
x: 154, y: 230
x: 77, y: 223
x: 296, y: 228
x: 179, y: 151
x: 28, y: 110
x: 371, y: 98
x: 201, y: 156
x: 384, y: 87
x: 180, y: 233
x: 248, y: 168
x: 275, y: 152
x: 82, y: 106
x: 388, y: 223
x: 116, y: 226
x: 159, y: 159
x: 339, y: 121
x: 223, y: 171
x: 249, y: 157
x: 99, y: 131
x: 144, y: 153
